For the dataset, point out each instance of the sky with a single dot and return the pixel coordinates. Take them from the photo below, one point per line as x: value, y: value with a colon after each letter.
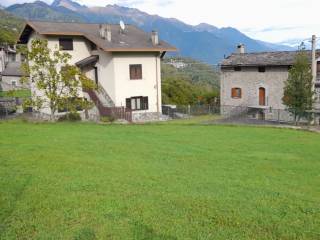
x: 271, y: 20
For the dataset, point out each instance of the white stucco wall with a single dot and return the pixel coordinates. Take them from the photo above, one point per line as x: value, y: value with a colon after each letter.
x: 250, y: 80
x: 7, y: 83
x: 106, y: 76
x: 146, y: 87
x: 114, y: 74
x: 81, y: 50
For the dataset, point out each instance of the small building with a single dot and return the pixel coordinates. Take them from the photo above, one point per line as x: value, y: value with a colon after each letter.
x: 8, y: 54
x: 257, y: 80
x: 124, y: 61
x: 11, y: 76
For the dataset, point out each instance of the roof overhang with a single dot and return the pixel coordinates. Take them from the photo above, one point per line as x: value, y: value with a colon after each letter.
x: 29, y: 28
x: 88, y: 62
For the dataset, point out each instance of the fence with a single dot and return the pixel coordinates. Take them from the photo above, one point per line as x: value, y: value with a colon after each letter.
x: 239, y: 114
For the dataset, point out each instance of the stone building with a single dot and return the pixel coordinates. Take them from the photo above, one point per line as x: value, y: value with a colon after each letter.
x: 256, y: 80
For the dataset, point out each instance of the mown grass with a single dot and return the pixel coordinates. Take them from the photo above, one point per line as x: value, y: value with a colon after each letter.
x: 85, y: 181
x: 16, y: 93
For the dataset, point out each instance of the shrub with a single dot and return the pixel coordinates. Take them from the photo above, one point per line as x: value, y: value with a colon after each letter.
x: 107, y: 119
x: 71, y: 117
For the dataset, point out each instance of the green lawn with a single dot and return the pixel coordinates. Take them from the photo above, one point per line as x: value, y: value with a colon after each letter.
x: 17, y: 93
x: 165, y: 181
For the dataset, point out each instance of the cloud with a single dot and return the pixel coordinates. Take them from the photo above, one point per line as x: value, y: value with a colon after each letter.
x: 276, y: 21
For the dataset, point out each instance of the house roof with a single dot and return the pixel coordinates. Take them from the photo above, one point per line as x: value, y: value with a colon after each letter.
x: 13, y: 69
x: 286, y: 58
x: 131, y: 40
x: 87, y: 61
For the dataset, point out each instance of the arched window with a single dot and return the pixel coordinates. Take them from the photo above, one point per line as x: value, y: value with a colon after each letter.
x: 236, y: 93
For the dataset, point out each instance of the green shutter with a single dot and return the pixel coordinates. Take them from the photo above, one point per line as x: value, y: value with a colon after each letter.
x: 128, y: 103
x: 145, y: 102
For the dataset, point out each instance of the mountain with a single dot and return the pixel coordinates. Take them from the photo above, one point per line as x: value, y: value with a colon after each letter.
x: 10, y: 27
x: 203, y: 42
x: 41, y: 11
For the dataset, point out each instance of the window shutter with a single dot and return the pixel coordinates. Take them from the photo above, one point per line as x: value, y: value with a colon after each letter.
x: 131, y: 72
x: 135, y: 72
x: 139, y: 71
x: 233, y: 92
x: 128, y: 103
x: 145, y: 101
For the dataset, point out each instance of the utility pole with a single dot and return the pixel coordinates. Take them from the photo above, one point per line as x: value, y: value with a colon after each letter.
x: 314, y: 70
x: 314, y: 61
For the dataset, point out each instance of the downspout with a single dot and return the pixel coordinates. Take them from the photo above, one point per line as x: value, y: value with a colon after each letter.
x: 161, y: 55
x: 157, y: 83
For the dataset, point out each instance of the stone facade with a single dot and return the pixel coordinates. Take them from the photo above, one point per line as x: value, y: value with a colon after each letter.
x: 250, y: 80
x: 257, y: 80
x: 148, y: 117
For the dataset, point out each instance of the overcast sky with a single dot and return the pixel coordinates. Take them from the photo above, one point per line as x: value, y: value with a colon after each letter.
x: 271, y: 20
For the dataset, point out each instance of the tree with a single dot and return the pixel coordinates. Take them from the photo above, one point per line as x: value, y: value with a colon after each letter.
x: 56, y: 83
x: 298, y: 93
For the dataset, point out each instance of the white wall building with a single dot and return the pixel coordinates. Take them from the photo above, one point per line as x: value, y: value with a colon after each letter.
x: 124, y: 62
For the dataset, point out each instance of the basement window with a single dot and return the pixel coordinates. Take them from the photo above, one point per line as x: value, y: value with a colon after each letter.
x: 262, y: 69
x: 137, y: 103
x: 236, y: 93
x: 237, y: 69
x: 66, y: 44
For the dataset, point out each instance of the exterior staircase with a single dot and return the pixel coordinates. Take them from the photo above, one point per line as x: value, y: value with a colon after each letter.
x: 104, y: 97
x: 108, y: 110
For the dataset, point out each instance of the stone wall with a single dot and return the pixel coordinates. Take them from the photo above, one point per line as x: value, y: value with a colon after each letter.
x: 148, y: 117
x: 250, y: 80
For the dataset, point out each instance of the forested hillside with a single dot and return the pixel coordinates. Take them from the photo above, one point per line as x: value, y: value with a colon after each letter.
x: 187, y: 81
x: 10, y: 26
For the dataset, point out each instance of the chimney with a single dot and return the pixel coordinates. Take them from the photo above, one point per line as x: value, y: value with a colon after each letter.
x: 102, y: 31
x: 241, y: 49
x: 108, y: 33
x: 155, y: 38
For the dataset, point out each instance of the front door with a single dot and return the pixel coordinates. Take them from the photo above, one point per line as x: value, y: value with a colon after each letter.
x: 262, y: 96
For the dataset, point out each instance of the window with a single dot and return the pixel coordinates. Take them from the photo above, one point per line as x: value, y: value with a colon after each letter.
x: 318, y: 67
x: 262, y: 69
x: 236, y: 93
x: 137, y: 103
x: 14, y: 83
x: 66, y: 44
x: 237, y: 69
x: 136, y: 72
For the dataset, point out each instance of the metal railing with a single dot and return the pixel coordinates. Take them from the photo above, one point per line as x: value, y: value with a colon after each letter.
x: 116, y: 112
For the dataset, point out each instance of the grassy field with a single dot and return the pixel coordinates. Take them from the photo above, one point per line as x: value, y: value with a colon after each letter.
x: 17, y: 93
x: 166, y: 181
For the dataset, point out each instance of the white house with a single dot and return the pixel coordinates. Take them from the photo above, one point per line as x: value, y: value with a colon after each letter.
x: 123, y: 61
